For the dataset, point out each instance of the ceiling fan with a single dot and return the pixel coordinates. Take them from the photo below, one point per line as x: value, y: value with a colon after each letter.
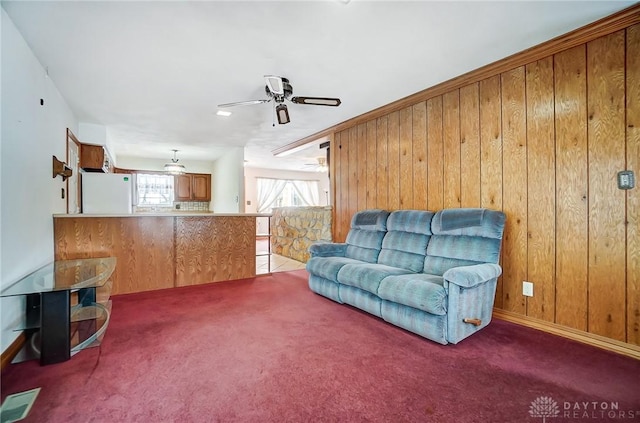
x: 321, y: 166
x: 278, y: 89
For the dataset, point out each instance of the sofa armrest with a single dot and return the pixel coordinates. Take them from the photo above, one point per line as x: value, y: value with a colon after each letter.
x: 327, y: 249
x: 470, y: 276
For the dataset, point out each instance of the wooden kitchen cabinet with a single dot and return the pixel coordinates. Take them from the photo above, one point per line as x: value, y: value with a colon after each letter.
x: 94, y: 158
x: 193, y: 187
x: 201, y: 187
x: 182, y: 187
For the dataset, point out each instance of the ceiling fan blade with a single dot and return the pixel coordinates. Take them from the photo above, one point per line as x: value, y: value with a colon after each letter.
x: 244, y: 103
x: 275, y: 84
x: 317, y: 101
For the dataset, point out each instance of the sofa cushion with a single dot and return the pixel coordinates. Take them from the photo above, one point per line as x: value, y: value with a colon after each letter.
x: 438, y: 265
x: 364, y: 245
x: 328, y: 267
x: 364, y: 300
x: 463, y: 237
x: 469, y: 222
x: 405, y: 243
x: 364, y: 239
x: 370, y: 220
x: 366, y: 276
x: 422, y: 291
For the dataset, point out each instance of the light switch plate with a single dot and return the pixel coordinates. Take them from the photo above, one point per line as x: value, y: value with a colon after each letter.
x: 527, y: 289
x: 626, y: 179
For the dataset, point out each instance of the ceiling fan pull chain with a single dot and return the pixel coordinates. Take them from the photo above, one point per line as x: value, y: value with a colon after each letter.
x: 273, y: 116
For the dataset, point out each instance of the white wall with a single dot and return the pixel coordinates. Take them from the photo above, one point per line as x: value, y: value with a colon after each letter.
x: 228, y: 182
x: 31, y: 135
x: 139, y: 163
x: 92, y: 133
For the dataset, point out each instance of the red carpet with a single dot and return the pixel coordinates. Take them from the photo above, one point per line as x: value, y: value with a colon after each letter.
x: 270, y: 350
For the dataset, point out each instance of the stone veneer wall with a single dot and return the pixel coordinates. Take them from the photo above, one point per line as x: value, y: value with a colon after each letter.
x: 294, y: 229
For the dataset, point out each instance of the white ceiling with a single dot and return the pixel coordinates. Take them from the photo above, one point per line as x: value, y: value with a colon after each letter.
x: 153, y: 72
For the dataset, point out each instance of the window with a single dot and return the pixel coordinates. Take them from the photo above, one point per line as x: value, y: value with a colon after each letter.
x: 154, y: 190
x: 286, y: 193
x: 289, y: 197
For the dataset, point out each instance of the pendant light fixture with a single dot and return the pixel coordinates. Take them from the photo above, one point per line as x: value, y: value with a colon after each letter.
x: 174, y: 168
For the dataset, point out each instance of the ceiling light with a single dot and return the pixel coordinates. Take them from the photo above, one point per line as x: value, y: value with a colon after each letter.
x: 223, y: 113
x: 174, y: 168
x: 283, y: 114
x: 322, y: 165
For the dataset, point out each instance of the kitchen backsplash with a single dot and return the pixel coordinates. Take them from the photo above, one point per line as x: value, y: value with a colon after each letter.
x: 178, y: 206
x: 191, y: 206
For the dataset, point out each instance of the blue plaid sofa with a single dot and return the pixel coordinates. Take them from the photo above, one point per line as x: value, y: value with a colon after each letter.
x: 433, y: 274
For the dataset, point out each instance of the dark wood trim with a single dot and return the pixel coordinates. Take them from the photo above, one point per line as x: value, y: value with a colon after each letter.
x: 13, y: 350
x: 73, y: 137
x: 597, y: 341
x: 599, y: 28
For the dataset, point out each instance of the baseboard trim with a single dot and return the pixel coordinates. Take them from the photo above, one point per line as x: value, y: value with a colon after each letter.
x: 598, y: 341
x: 13, y: 350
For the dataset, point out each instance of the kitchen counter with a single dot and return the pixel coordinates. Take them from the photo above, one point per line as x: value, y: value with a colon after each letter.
x: 164, y: 214
x: 162, y: 250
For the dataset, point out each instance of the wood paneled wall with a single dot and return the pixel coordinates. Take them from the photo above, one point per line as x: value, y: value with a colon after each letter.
x: 543, y: 142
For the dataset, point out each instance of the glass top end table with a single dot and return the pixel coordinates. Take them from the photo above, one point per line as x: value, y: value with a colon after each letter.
x: 64, y: 275
x: 50, y: 317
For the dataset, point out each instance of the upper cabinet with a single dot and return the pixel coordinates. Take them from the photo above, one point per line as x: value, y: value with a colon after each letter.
x: 95, y: 158
x: 193, y: 187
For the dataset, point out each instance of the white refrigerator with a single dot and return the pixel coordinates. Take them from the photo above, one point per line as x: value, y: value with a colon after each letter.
x: 107, y: 193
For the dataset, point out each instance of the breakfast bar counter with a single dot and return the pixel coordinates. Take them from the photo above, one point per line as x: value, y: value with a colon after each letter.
x: 162, y: 250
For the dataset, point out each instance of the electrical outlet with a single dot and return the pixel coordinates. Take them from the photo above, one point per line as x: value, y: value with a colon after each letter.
x: 527, y: 289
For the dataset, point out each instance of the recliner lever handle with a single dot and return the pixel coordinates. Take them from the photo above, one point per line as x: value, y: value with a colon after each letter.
x: 475, y: 322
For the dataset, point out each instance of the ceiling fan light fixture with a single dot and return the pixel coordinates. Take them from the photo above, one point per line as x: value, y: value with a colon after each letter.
x: 175, y: 168
x: 223, y: 113
x: 322, y: 165
x: 275, y: 84
x: 283, y: 114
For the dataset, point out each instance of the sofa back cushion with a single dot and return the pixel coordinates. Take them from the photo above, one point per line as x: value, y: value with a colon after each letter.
x: 405, y: 244
x: 364, y: 239
x: 463, y: 237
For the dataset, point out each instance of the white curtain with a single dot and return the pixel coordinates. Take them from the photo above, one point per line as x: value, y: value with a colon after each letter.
x: 153, y: 189
x: 268, y: 192
x: 308, y: 192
